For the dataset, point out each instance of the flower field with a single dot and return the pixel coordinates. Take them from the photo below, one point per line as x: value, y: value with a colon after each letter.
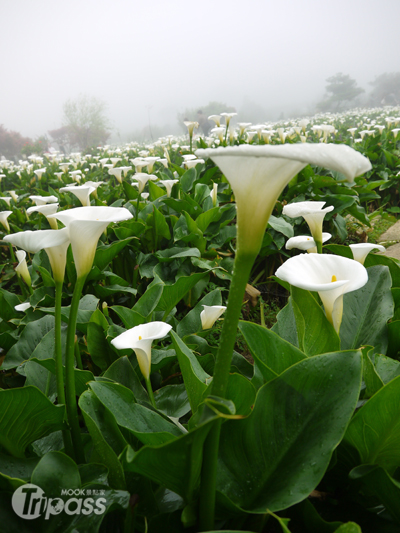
x: 140, y: 388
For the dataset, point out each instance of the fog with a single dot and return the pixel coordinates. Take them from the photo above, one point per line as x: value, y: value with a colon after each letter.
x: 149, y: 61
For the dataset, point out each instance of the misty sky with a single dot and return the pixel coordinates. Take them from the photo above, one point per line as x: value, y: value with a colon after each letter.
x: 175, y: 54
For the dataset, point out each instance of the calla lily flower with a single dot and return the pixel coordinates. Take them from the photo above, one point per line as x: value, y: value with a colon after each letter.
x: 210, y: 314
x: 118, y: 172
x: 22, y: 307
x: 142, y: 179
x: 64, y: 166
x: 3, y: 219
x: 304, y: 242
x: 13, y: 195
x: 191, y: 163
x: 85, y: 226
x: 54, y: 242
x: 243, y: 126
x: 258, y: 174
x: 39, y: 172
x: 7, y: 199
x: 228, y: 117
x: 22, y: 268
x: 168, y: 184
x: 190, y: 126
x: 47, y: 209
x: 331, y: 276
x: 214, y: 194
x: 43, y: 200
x: 82, y: 192
x: 361, y: 250
x: 216, y: 119
x: 312, y: 212
x: 140, y: 339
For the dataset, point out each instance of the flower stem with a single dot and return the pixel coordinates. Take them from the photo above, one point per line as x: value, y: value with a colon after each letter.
x: 241, y: 274
x: 150, y: 391
x: 137, y: 206
x: 70, y: 394
x: 319, y: 246
x: 59, y: 364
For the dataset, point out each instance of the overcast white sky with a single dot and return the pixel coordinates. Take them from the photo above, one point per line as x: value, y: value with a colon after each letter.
x: 176, y: 54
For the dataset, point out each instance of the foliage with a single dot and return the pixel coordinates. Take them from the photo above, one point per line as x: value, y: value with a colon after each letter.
x: 12, y: 143
x: 340, y: 91
x: 386, y: 89
x: 309, y: 431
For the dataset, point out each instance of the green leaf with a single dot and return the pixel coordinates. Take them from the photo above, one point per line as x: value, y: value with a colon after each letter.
x: 173, y: 400
x: 122, y: 372
x: 170, y: 254
x: 175, y: 465
x: 105, y: 253
x: 375, y: 429
x: 172, y: 294
x: 315, y: 333
x: 372, y: 380
x: 390, y: 262
x: 129, y: 317
x: 366, y: 312
x: 287, y: 441
x: 107, y: 439
x: 187, y: 179
x: 280, y: 225
x: 15, y: 472
x: 30, y: 338
x: 26, y: 415
x: 54, y: 472
x: 98, y: 346
x: 273, y: 355
x: 8, y: 301
x: 375, y: 480
x: 149, y: 301
x: 206, y: 218
x: 194, y: 377
x: 285, y: 325
x: 148, y: 426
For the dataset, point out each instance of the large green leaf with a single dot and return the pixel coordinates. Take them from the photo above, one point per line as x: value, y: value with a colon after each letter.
x: 175, y: 465
x: 54, y: 472
x: 375, y: 429
x: 26, y: 415
x: 121, y: 371
x: 278, y: 455
x: 194, y: 377
x: 147, y: 425
x: 105, y: 253
x: 172, y: 294
x: 375, y: 481
x: 30, y: 338
x: 285, y: 325
x: 101, y: 353
x: 315, y: 333
x: 107, y: 439
x: 272, y: 354
x: 149, y: 301
x: 366, y: 312
x: 15, y: 471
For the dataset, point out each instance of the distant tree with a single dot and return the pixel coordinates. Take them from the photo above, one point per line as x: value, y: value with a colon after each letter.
x: 11, y: 143
x: 341, y: 90
x: 85, y: 123
x: 386, y: 89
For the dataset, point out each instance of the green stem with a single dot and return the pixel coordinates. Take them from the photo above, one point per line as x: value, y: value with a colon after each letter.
x: 59, y: 364
x: 70, y: 394
x: 78, y: 355
x: 150, y: 391
x: 137, y: 206
x: 241, y: 274
x: 319, y: 246
x: 190, y: 141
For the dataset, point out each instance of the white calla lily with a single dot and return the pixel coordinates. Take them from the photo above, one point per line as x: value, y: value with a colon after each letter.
x: 43, y: 200
x: 312, y: 212
x: 168, y: 184
x: 46, y: 209
x: 210, y: 314
x: 258, y: 174
x: 82, y: 192
x: 22, y: 268
x: 3, y: 219
x: 362, y: 249
x: 140, y: 339
x: 22, y: 307
x: 214, y: 194
x: 331, y: 276
x: 54, y: 242
x: 142, y: 179
x: 85, y: 226
x: 305, y: 242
